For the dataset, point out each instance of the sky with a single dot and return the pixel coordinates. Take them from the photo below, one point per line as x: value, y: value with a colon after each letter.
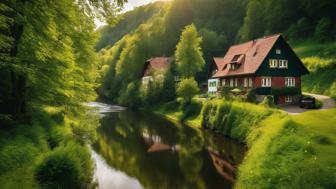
x: 130, y: 5
x: 135, y: 3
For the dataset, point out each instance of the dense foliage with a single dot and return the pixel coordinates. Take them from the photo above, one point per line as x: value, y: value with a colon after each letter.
x: 48, y: 68
x: 189, y: 56
x: 187, y: 89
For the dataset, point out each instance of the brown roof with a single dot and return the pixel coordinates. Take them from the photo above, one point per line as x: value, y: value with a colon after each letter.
x: 157, y: 64
x: 160, y: 63
x: 249, y: 55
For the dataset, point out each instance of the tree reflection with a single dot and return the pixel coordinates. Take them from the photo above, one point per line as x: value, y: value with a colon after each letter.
x: 157, y: 152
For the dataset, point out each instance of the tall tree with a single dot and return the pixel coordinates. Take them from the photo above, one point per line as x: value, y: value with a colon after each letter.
x: 189, y: 56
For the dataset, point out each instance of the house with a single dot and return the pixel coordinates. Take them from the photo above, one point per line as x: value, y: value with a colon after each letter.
x: 268, y: 65
x: 154, y: 66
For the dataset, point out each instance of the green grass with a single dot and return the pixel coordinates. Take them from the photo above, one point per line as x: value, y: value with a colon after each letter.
x: 291, y: 152
x: 320, y: 59
x: 284, y: 151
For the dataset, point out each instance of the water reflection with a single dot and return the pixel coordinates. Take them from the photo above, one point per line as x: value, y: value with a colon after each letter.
x: 109, y: 178
x: 160, y: 154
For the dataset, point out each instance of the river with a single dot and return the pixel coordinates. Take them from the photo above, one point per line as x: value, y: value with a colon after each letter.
x: 140, y: 150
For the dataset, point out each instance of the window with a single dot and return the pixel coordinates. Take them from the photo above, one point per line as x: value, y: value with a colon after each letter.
x: 231, y: 82
x: 213, y: 84
x: 266, y: 82
x: 246, y: 82
x: 290, y: 82
x: 278, y: 51
x: 289, y: 99
x: 250, y: 82
x: 223, y: 82
x: 236, y: 82
x: 273, y: 63
x: 283, y: 63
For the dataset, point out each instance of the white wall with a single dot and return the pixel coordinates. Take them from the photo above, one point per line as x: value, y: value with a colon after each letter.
x: 212, y: 85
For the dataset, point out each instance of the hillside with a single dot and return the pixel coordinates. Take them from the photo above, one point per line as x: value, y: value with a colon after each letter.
x: 320, y: 59
x: 128, y: 22
x: 221, y: 23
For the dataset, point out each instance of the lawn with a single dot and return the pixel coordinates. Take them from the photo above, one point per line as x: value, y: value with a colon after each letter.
x: 291, y: 152
x: 323, y: 125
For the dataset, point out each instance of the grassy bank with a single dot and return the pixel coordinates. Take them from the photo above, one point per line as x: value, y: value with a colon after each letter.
x: 284, y: 151
x: 47, y: 152
x: 320, y: 59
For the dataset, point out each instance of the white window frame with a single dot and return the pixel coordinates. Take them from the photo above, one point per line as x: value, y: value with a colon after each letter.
x: 288, y: 99
x: 283, y: 63
x: 236, y: 82
x: 266, y: 82
x: 273, y: 63
x: 250, y: 83
x: 246, y: 82
x: 290, y: 81
x: 278, y: 51
x: 231, y: 82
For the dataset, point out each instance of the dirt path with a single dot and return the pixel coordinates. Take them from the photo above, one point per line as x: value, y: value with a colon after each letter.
x: 327, y: 101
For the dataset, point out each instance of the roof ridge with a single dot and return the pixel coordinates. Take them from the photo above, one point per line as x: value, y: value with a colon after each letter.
x: 264, y: 37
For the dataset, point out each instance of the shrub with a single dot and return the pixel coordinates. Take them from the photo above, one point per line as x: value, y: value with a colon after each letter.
x: 65, y: 167
x: 268, y: 101
x: 226, y: 92
x: 191, y: 110
x: 187, y: 89
x: 251, y: 96
x: 205, y: 113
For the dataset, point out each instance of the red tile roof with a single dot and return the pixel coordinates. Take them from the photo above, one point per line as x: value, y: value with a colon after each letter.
x: 156, y: 64
x: 160, y: 63
x: 249, y: 55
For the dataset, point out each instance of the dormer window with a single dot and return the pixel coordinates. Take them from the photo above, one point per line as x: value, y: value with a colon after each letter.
x: 235, y: 58
x: 278, y: 51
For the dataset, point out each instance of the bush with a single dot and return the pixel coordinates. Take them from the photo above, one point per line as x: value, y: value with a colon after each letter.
x: 233, y: 119
x: 191, y: 110
x: 206, y: 114
x: 187, y: 89
x: 268, y: 101
x: 226, y: 92
x: 65, y: 167
x: 251, y: 96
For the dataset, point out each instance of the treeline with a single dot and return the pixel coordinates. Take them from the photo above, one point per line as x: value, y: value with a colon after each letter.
x: 296, y: 19
x: 126, y: 23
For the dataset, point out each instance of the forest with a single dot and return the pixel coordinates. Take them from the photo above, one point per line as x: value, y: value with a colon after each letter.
x: 48, y: 69
x: 155, y: 30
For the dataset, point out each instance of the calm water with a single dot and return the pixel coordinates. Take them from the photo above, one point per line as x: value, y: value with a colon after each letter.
x: 138, y: 150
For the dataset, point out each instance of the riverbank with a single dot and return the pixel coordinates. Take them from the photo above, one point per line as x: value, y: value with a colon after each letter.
x: 285, y: 151
x: 49, y: 151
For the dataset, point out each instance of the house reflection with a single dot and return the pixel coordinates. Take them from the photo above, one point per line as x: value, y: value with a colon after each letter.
x: 156, y: 144
x: 223, y: 166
